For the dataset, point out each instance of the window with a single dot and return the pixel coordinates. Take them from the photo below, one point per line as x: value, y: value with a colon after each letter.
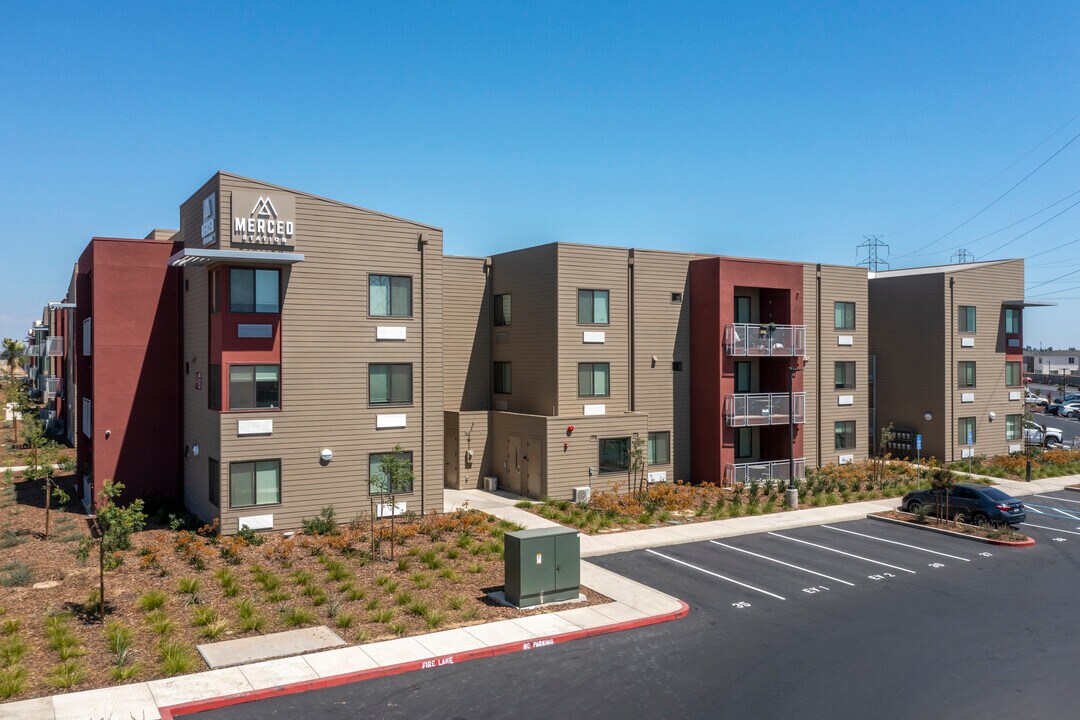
x: 966, y: 319
x: 659, y: 448
x: 742, y: 377
x: 1013, y: 424
x: 966, y: 374
x: 1013, y: 376
x: 614, y: 455
x: 254, y: 291
x: 254, y: 386
x: 214, y: 285
x: 845, y: 434
x: 254, y: 483
x: 1012, y: 320
x: 214, y: 383
x: 965, y: 428
x: 742, y: 308
x: 502, y: 378
x: 844, y: 315
x: 215, y: 482
x: 744, y: 442
x: 378, y: 483
x: 676, y: 366
x: 592, y: 307
x: 676, y: 297
x: 502, y: 310
x: 1072, y: 361
x: 845, y: 375
x: 389, y: 296
x: 593, y: 379
x: 390, y: 384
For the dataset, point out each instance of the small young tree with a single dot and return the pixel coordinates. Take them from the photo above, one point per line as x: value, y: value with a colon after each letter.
x: 637, y: 466
x: 113, y: 527
x: 41, y: 457
x: 395, y: 476
x: 886, y: 438
x: 19, y: 400
x: 942, y: 480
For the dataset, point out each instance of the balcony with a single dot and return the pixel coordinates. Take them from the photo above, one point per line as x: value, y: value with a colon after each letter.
x: 52, y: 385
x: 750, y: 339
x: 762, y: 409
x: 762, y: 472
x: 56, y: 346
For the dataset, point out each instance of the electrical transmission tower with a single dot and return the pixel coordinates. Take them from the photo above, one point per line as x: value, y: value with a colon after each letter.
x: 962, y: 256
x: 875, y: 251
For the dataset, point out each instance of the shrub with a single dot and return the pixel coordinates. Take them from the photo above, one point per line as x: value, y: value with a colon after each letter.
x: 67, y: 675
x: 434, y: 618
x: 120, y: 673
x: 354, y: 594
x: 336, y: 570
x: 474, y: 568
x: 121, y: 638
x: 188, y: 586
x: 12, y: 681
x: 250, y: 537
x: 9, y: 627
x: 344, y: 620
x: 204, y: 615
x: 297, y: 617
x: 420, y: 580
x: 176, y: 658
x: 323, y: 524
x: 398, y: 628
x: 151, y: 600
x: 381, y: 616
x: 418, y: 608
x: 12, y: 650
x: 214, y: 630
x: 16, y: 574
x: 160, y: 623
x: 250, y: 620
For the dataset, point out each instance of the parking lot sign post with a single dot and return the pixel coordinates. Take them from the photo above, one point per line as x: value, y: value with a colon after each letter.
x: 971, y: 448
x: 918, y: 461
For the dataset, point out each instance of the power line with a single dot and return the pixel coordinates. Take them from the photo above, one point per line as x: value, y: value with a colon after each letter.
x: 999, y: 197
x: 1031, y: 230
x: 1032, y: 287
x: 1014, y: 224
x: 873, y: 245
x: 1044, y: 252
x: 962, y: 256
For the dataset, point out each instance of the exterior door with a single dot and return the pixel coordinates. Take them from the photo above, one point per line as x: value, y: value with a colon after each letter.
x: 513, y: 464
x: 533, y: 463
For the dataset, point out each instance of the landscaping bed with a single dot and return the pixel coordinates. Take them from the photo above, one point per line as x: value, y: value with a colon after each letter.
x: 665, y: 504
x: 177, y: 588
x: 1000, y: 534
x: 1044, y: 464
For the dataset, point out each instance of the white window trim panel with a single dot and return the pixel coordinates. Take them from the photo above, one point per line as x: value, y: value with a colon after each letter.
x: 390, y: 332
x: 386, y: 509
x: 1014, y: 394
x: 658, y: 476
x: 1016, y: 448
x: 845, y: 400
x: 593, y: 337
x: 594, y: 410
x: 256, y: 522
x: 389, y: 421
x: 845, y: 340
x: 967, y: 397
x: 967, y: 452
x: 846, y: 459
x: 255, y: 427
x: 967, y: 342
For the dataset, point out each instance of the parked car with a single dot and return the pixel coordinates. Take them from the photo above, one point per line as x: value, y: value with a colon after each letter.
x: 1054, y: 407
x: 1033, y: 434
x: 1033, y: 399
x: 1069, y: 409
x: 976, y: 503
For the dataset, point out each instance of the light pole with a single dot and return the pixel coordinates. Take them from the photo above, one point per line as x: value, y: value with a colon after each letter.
x: 791, y: 497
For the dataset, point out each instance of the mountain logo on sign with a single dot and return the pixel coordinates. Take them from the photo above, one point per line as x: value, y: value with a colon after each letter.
x: 264, y: 208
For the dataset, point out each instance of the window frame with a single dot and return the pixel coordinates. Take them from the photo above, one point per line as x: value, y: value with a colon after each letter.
x: 961, y: 374
x: 592, y: 305
x: 502, y: 311
x: 1018, y: 419
x: 214, y: 291
x: 390, y: 297
x: 254, y: 483
x: 844, y: 385
x: 1018, y: 314
x: 1019, y: 374
x: 849, y: 429
x: 964, y: 313
x: 380, y: 455
x: 213, y: 386
x: 600, y: 454
x: 967, y: 423
x: 592, y: 376
x: 749, y: 377
x: 255, y: 273
x: 848, y: 321
x: 214, y: 481
x: 509, y: 386
x: 389, y: 385
x: 650, y: 445
x: 255, y: 390
x: 749, y: 309
x: 740, y: 432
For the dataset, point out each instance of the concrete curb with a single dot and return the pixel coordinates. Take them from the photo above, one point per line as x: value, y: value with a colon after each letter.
x: 1030, y: 542
x: 171, y: 712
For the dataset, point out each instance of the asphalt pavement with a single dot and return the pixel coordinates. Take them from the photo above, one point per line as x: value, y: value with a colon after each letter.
x: 854, y: 619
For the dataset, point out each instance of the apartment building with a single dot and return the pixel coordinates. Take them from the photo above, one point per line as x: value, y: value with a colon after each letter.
x: 948, y: 343
x: 1062, y: 363
x: 312, y: 346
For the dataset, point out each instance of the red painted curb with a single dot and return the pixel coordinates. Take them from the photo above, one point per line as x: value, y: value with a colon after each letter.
x: 173, y: 711
x: 1030, y: 542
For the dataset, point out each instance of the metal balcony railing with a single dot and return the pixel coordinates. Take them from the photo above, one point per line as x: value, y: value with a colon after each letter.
x: 764, y: 340
x: 55, y: 346
x: 762, y: 472
x: 762, y: 409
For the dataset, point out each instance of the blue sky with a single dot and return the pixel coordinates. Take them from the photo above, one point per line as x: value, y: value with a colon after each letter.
x: 785, y: 130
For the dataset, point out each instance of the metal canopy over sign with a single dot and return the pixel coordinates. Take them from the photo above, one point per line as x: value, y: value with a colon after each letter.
x: 261, y: 218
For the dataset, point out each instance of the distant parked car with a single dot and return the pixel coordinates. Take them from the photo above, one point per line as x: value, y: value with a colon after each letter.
x: 1033, y: 434
x: 976, y: 503
x: 1070, y: 409
x: 1033, y: 399
x: 1054, y: 407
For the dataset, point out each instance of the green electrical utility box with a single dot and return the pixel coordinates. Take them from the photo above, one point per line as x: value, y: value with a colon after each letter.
x: 542, y: 566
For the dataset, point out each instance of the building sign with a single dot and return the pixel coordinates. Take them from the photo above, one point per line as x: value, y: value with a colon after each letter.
x: 198, y: 380
x: 209, y: 219
x: 263, y: 218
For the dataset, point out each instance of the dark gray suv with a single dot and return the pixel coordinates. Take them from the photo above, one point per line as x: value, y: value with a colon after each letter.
x: 978, y: 504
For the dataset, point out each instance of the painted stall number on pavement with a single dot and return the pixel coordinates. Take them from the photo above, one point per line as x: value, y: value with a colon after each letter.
x: 936, y: 564
x: 881, y: 576
x: 1059, y: 539
x: 986, y: 554
x: 740, y: 604
x: 815, y: 589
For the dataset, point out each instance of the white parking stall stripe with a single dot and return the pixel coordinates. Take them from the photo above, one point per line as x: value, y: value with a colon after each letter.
x: 894, y: 542
x: 841, y: 552
x: 1028, y: 507
x: 716, y: 575
x: 1043, y: 527
x: 1050, y: 497
x: 781, y: 562
x: 1048, y: 507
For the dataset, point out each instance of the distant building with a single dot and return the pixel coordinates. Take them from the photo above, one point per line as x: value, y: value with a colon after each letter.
x: 1051, y: 362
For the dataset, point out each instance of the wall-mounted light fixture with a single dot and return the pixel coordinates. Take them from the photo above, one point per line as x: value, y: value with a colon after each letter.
x: 928, y: 416
x: 326, y: 455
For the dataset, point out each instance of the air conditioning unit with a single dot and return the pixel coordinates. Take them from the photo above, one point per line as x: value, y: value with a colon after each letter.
x: 582, y: 494
x: 491, y: 483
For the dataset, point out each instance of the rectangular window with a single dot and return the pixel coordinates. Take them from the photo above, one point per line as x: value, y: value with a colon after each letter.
x: 676, y: 366
x: 676, y: 297
x: 1012, y: 320
x: 592, y: 307
x: 379, y: 484
x: 1013, y: 376
x: 593, y: 379
x: 744, y: 442
x: 844, y: 315
x: 390, y: 384
x: 742, y: 377
x: 214, y: 283
x: 614, y: 455
x: 659, y: 448
x: 254, y: 386
x: 214, y: 387
x: 389, y: 296
x: 215, y: 482
x: 966, y: 319
x: 845, y: 434
x: 502, y: 310
x: 742, y: 308
x: 845, y: 375
x: 964, y: 426
x: 1013, y: 423
x: 502, y: 378
x: 966, y: 374
x: 254, y: 291
x: 254, y: 483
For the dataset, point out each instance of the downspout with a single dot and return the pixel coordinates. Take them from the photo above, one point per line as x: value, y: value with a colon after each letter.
x: 817, y: 360
x: 952, y: 365
x: 630, y: 330
x: 421, y: 244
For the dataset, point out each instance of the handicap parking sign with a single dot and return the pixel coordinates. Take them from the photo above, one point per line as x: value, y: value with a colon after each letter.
x: 918, y: 442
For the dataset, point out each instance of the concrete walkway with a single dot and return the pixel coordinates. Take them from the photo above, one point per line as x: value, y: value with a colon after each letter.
x: 633, y: 605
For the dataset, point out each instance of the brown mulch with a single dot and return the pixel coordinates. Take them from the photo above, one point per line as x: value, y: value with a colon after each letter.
x: 161, y: 557
x: 981, y: 531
